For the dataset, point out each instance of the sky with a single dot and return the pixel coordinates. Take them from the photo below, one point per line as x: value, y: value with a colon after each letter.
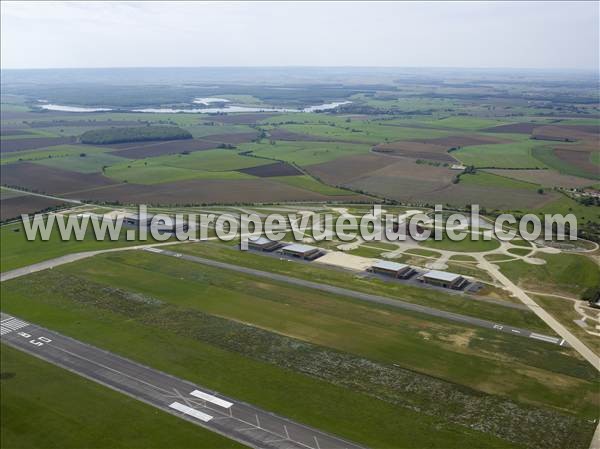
x: 544, y: 35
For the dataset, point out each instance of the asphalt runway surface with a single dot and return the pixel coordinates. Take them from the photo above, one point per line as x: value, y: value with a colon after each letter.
x: 234, y: 419
x: 398, y: 303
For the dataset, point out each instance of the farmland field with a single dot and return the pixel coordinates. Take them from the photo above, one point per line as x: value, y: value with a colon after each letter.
x: 12, y: 145
x: 545, y: 178
x: 379, y: 360
x: 569, y: 161
x: 13, y: 206
x: 503, y: 155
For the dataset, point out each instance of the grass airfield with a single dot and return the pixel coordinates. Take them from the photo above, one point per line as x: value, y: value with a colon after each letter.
x: 373, y: 374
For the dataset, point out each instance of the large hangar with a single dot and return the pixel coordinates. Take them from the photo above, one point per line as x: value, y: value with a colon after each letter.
x: 444, y: 279
x: 307, y: 252
x: 397, y: 270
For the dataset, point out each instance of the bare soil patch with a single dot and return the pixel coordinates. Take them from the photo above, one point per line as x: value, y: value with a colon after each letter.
x: 564, y: 133
x: 579, y: 159
x: 490, y: 197
x: 270, y: 170
x: 162, y: 148
x: 404, y: 180
x: 513, y: 128
x: 417, y: 150
x: 592, y: 129
x: 465, y: 140
x: 14, y: 132
x: 204, y: 191
x: 43, y: 179
x: 9, y: 146
x: 28, y: 204
x: 348, y: 168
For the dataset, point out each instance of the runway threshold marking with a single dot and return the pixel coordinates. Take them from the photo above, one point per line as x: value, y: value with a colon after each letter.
x: 154, y: 250
x: 544, y: 338
x: 190, y: 411
x: 10, y: 325
x: 210, y: 398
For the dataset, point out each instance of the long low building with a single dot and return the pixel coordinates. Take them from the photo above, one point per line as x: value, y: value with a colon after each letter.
x: 302, y: 251
x: 263, y: 244
x: 444, y: 279
x: 398, y: 270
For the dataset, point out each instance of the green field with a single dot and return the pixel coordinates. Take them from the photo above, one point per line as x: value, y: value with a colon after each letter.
x: 517, y: 154
x: 43, y: 406
x: 520, y: 251
x: 59, y: 152
x: 468, y: 123
x: 171, y: 303
x: 491, y: 180
x: 172, y: 349
x: 567, y: 273
x: 366, y: 132
x: 305, y: 153
x: 201, y: 130
x: 565, y: 205
x: 17, y: 251
x: 547, y: 156
x: 309, y: 183
x: 90, y: 163
x: 422, y: 252
x: 406, y: 292
x: 564, y: 312
x: 463, y: 246
x: 209, y: 164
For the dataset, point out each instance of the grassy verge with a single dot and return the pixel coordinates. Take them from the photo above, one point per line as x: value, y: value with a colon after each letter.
x: 418, y: 295
x: 44, y: 406
x: 564, y: 312
x: 17, y: 251
x: 173, y: 340
x: 568, y: 273
x: 465, y: 245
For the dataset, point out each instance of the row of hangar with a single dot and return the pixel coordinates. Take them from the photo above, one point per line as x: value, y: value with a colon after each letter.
x: 438, y: 278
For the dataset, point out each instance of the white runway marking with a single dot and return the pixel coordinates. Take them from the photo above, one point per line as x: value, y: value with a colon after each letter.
x: 190, y: 411
x: 11, y: 324
x: 210, y: 398
x: 544, y: 338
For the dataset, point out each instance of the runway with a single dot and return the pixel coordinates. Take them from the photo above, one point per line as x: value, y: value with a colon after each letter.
x: 234, y: 419
x: 397, y: 303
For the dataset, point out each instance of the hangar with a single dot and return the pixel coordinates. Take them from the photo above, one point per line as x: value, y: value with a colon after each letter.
x: 444, y: 279
x: 397, y: 270
x: 263, y: 244
x: 130, y: 219
x: 302, y: 251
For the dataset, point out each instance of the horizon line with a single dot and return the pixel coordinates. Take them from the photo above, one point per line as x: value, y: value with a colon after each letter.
x: 490, y: 68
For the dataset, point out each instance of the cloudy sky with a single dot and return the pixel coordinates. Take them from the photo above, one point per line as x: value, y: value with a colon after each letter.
x: 411, y: 34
